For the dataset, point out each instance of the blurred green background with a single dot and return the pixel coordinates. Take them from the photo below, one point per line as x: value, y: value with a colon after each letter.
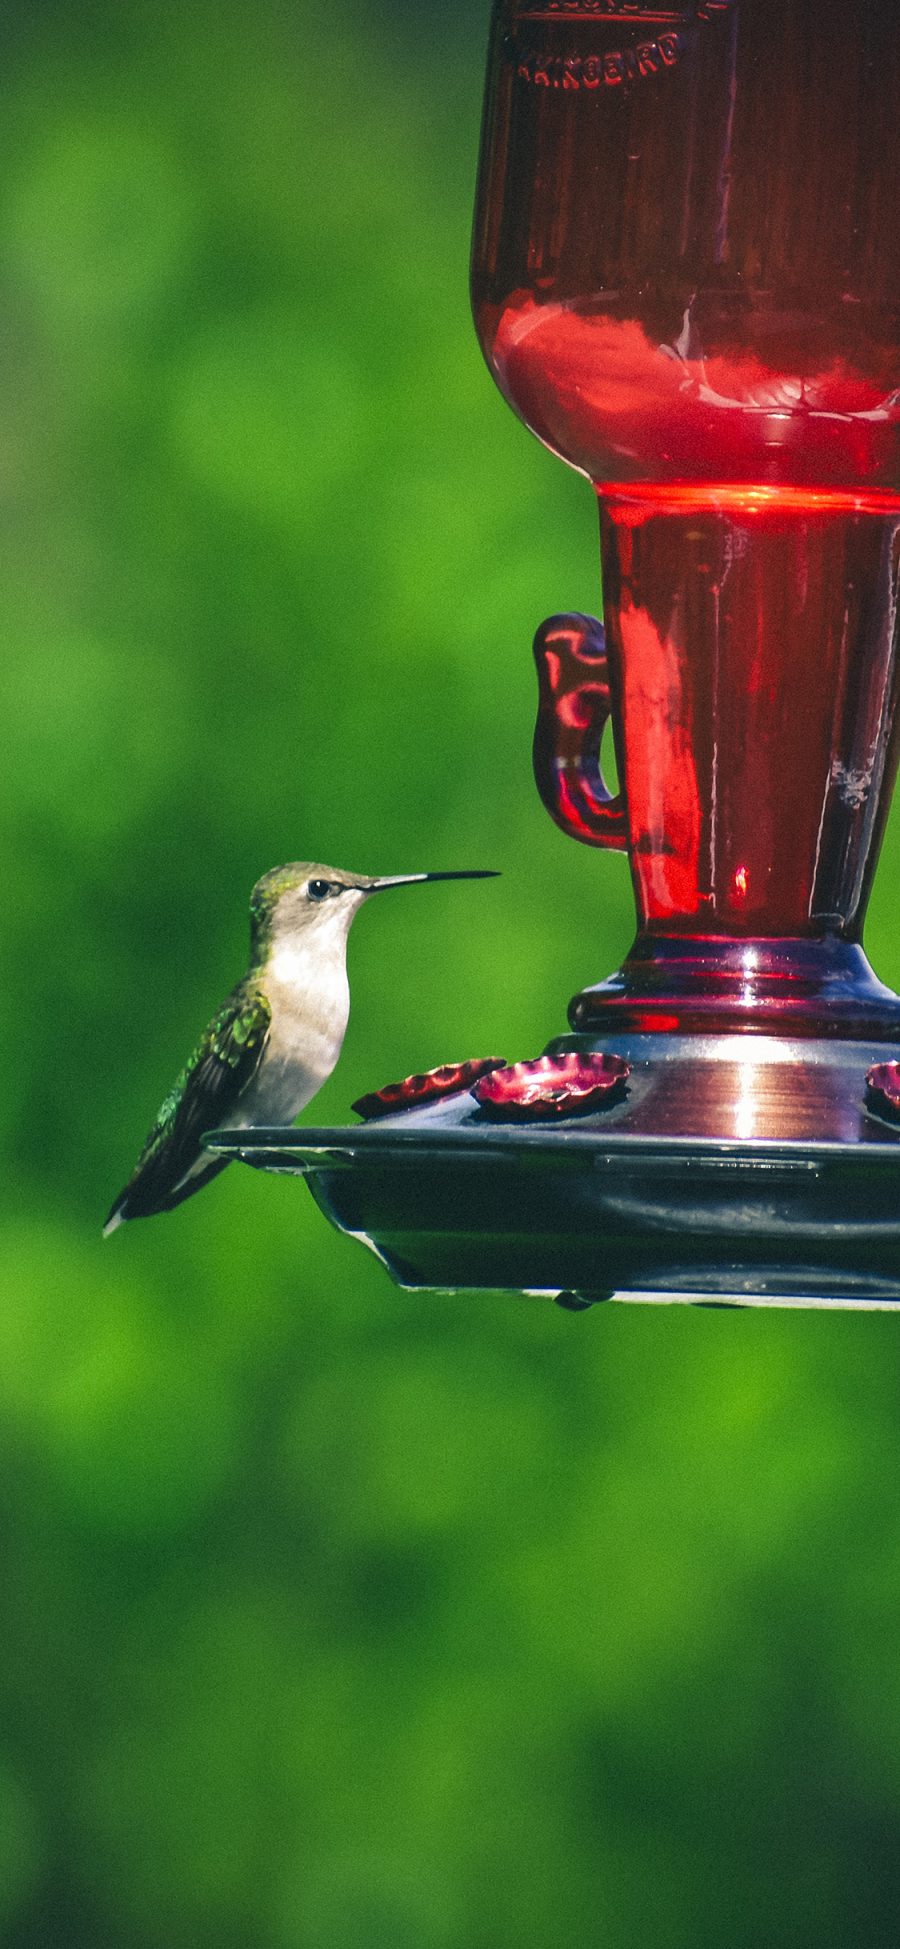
x: 332, y: 1618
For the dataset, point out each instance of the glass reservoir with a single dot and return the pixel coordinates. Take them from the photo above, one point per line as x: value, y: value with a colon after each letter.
x: 685, y: 281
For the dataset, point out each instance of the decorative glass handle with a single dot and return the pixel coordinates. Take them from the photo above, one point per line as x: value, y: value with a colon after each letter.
x: 574, y: 708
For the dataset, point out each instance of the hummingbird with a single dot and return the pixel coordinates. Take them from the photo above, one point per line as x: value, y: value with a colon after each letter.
x: 276, y: 1037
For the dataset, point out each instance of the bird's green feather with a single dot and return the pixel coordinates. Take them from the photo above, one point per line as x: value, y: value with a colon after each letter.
x: 263, y: 903
x: 225, y: 1059
x: 237, y: 1031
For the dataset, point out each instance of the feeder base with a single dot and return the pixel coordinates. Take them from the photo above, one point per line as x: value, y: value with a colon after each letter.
x: 737, y: 1170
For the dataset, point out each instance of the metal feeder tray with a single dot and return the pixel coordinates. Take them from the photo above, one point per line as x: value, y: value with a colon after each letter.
x: 737, y: 1170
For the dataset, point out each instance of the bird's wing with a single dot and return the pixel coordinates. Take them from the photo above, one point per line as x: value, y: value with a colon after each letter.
x: 223, y: 1063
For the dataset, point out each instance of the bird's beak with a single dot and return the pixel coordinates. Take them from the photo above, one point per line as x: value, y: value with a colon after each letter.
x: 414, y: 879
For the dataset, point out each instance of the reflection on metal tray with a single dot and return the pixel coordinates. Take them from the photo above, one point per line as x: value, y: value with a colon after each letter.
x: 760, y: 1179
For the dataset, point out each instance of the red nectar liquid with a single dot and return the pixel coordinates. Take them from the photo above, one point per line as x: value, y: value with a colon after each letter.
x: 686, y: 279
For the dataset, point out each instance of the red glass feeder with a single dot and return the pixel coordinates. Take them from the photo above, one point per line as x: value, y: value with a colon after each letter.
x: 708, y: 329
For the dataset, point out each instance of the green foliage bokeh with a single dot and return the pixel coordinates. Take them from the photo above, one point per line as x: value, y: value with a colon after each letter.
x: 332, y: 1618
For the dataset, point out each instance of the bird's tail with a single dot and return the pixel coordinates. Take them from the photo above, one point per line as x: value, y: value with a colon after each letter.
x: 139, y: 1202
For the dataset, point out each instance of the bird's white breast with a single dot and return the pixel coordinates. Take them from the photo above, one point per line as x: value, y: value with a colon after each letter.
x: 309, y: 998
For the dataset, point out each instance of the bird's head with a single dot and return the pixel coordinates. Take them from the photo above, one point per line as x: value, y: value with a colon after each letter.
x: 306, y: 901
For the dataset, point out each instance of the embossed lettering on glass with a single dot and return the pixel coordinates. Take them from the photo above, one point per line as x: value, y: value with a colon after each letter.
x: 686, y: 274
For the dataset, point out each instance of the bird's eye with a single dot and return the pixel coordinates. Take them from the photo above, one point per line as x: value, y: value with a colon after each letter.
x: 318, y: 889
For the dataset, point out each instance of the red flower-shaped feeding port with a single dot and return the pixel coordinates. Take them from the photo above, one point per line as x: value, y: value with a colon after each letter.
x: 883, y: 1090
x: 553, y: 1086
x: 449, y: 1080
